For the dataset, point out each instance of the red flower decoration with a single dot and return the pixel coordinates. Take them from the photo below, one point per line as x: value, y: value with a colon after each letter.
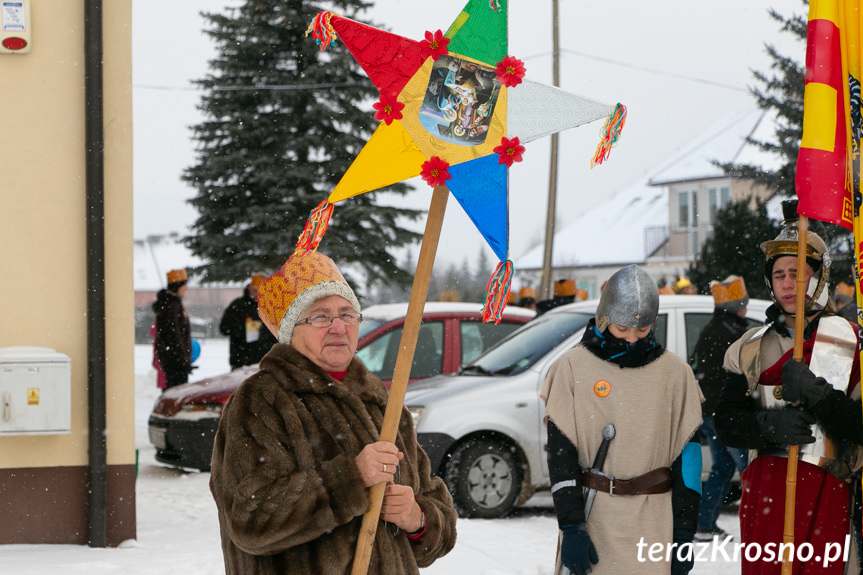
x: 388, y: 109
x: 435, y: 172
x: 434, y: 45
x: 510, y: 151
x: 510, y: 71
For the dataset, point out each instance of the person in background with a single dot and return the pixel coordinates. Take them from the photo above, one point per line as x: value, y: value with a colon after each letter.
x: 160, y: 373
x: 173, y: 333
x: 564, y: 293
x: 648, y: 490
x: 770, y: 401
x: 298, y: 446
x: 684, y: 287
x: 846, y: 301
x: 249, y: 338
x: 725, y: 327
x: 527, y: 298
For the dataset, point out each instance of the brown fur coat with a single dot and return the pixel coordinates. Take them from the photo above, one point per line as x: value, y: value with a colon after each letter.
x: 289, y: 496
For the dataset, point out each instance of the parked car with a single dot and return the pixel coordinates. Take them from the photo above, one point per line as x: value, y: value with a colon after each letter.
x: 483, y: 428
x: 184, y: 420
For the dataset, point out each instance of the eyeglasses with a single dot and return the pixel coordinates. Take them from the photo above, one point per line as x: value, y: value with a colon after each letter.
x: 324, y: 320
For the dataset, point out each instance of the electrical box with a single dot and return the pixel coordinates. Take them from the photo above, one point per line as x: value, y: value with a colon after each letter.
x: 35, y: 391
x: 15, y: 27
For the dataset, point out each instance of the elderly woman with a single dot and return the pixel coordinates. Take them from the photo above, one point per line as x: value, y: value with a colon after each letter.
x: 298, y: 446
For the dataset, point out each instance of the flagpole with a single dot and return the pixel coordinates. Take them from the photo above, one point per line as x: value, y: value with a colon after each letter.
x: 793, y: 450
x: 402, y: 371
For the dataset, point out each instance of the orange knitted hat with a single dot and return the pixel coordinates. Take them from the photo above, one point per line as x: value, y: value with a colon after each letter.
x: 303, y: 280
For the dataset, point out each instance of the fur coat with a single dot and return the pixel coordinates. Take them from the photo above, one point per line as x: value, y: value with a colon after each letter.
x: 289, y: 497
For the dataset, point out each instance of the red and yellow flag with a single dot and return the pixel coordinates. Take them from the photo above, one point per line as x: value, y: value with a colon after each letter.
x: 824, y: 164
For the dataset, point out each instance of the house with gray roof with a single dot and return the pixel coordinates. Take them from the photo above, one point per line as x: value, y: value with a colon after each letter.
x: 660, y: 221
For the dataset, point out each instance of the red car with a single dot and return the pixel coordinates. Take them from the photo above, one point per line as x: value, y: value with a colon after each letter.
x: 184, y: 420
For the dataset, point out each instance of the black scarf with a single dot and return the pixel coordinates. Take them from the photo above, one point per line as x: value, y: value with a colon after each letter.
x: 617, y: 351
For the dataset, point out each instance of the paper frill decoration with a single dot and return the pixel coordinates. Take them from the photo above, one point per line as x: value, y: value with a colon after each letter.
x: 459, y: 96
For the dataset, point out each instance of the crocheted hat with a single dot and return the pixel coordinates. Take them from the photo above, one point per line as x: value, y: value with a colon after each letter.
x: 304, y: 279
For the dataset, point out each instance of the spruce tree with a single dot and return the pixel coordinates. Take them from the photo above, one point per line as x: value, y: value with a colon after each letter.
x: 284, y: 120
x: 735, y: 248
x: 781, y: 91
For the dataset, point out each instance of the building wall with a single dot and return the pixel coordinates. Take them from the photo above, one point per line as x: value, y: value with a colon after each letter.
x: 43, y: 283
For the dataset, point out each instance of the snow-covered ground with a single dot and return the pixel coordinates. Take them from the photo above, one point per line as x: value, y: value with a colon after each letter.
x: 178, y: 530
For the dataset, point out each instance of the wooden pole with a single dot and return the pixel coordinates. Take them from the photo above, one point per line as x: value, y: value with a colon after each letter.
x: 799, y: 326
x: 402, y: 371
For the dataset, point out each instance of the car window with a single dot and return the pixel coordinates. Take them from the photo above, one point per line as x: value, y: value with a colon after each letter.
x: 694, y: 324
x: 476, y: 337
x: 527, y: 345
x: 660, y: 330
x: 379, y: 356
x: 369, y: 325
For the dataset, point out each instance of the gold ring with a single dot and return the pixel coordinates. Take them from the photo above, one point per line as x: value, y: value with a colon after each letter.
x: 385, y: 467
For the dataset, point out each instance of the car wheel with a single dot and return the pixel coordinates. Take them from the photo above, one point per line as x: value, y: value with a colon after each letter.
x: 484, y: 477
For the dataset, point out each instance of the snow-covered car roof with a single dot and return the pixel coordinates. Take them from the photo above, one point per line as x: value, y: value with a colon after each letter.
x: 389, y: 311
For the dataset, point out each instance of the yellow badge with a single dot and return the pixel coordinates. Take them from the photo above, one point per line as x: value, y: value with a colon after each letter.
x: 601, y: 388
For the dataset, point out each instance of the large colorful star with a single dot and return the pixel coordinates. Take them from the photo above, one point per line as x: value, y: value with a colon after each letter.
x: 456, y: 110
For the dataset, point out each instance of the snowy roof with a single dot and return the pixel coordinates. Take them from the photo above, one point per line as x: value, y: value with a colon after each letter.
x: 613, y: 232
x: 610, y: 233
x: 724, y: 141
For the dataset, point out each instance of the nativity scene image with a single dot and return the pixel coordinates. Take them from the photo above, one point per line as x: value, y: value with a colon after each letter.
x: 459, y: 101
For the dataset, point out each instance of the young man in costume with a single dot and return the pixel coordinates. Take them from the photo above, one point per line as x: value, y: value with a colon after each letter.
x: 724, y: 328
x: 771, y: 401
x: 648, y: 489
x: 298, y: 446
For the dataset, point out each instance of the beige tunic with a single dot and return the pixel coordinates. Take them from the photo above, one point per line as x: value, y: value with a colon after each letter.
x: 655, y: 410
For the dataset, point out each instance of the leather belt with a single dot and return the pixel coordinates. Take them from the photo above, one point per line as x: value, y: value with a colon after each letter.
x: 656, y: 481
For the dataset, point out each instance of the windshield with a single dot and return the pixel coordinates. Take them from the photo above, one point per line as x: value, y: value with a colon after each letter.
x: 527, y: 345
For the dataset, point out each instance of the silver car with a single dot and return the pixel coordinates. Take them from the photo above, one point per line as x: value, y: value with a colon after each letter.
x: 483, y: 428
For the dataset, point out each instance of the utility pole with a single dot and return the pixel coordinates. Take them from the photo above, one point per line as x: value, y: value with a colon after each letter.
x: 545, y: 291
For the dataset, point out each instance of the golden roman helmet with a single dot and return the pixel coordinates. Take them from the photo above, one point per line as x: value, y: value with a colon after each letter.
x: 817, y: 256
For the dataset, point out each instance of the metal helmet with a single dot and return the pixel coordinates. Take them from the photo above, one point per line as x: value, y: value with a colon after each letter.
x: 785, y: 244
x: 630, y: 298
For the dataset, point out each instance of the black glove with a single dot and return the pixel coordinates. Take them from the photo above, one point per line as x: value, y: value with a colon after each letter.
x: 800, y: 385
x: 683, y: 559
x: 786, y: 426
x: 577, y: 552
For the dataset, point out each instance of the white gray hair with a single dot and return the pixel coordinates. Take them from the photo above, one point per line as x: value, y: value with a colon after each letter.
x: 308, y: 297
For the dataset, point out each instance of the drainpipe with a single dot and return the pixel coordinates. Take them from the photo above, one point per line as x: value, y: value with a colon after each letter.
x: 97, y: 475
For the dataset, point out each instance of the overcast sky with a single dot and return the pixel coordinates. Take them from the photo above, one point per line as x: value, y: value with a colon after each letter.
x: 678, y: 66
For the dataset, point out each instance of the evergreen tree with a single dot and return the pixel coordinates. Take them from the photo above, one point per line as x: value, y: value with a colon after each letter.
x: 284, y: 120
x: 735, y: 248
x: 781, y: 92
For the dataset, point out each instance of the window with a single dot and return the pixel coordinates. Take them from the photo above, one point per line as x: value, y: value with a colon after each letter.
x: 683, y: 209
x: 660, y: 329
x: 476, y: 337
x: 380, y: 355
x: 719, y: 198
